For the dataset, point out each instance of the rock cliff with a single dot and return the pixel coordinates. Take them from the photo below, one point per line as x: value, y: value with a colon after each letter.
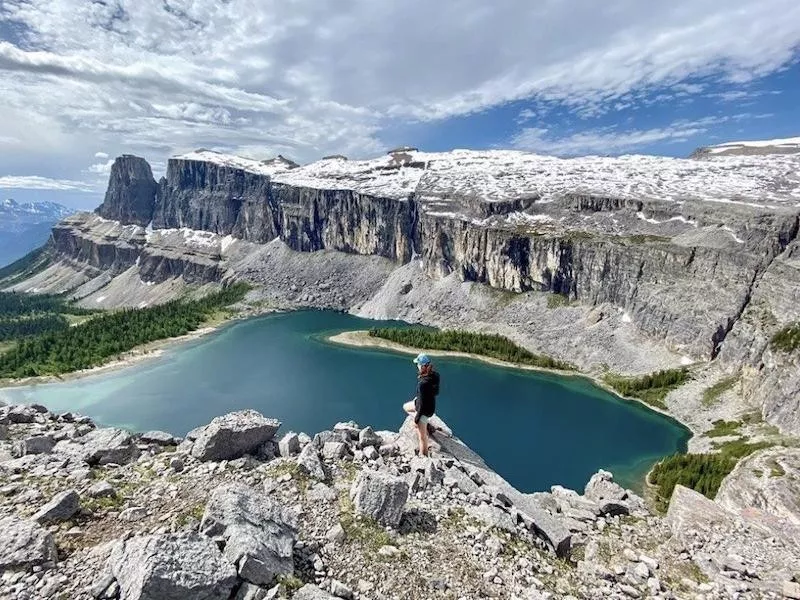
x: 698, y: 256
x: 239, y: 510
x: 131, y: 192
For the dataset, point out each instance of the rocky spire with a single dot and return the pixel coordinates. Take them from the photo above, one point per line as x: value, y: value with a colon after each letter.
x: 131, y: 193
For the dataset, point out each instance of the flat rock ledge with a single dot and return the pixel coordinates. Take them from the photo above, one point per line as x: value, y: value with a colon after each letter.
x: 233, y: 513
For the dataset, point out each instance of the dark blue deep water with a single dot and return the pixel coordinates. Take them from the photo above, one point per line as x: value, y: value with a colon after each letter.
x: 534, y: 429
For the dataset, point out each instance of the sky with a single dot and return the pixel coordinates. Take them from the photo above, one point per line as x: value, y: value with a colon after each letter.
x: 83, y: 81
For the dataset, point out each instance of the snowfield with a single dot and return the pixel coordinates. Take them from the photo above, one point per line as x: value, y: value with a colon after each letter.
x: 439, y: 178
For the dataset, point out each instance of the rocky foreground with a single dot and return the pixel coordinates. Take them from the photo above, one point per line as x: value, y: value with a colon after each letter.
x: 237, y: 511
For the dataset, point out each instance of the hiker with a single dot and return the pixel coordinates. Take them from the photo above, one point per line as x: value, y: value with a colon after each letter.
x: 423, y: 405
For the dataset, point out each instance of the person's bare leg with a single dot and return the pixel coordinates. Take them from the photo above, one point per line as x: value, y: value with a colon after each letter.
x: 422, y: 432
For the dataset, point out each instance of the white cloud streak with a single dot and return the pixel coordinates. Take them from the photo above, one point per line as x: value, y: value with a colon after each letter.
x: 35, y: 182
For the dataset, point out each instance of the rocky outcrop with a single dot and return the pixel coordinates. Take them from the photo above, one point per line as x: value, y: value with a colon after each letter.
x: 259, y: 526
x: 25, y: 544
x: 102, y: 446
x: 380, y: 496
x: 60, y: 508
x: 233, y: 435
x: 171, y: 567
x: 259, y: 535
x: 765, y: 486
x: 130, y: 198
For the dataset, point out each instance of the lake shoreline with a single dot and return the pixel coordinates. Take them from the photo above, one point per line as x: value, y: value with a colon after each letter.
x: 132, y: 357
x: 362, y: 339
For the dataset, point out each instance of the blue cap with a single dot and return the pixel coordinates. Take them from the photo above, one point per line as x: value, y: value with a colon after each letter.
x: 422, y: 359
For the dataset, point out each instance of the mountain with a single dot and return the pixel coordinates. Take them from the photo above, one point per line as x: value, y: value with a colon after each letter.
x: 655, y: 262
x: 24, y: 227
x: 749, y: 148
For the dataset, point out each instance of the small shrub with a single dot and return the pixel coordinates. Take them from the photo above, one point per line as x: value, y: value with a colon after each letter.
x: 776, y: 470
x: 723, y: 428
x: 712, y: 394
x: 787, y: 339
x: 557, y: 300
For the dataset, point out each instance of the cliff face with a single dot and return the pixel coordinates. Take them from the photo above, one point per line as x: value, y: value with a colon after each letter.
x: 700, y: 255
x: 209, y: 197
x: 131, y: 192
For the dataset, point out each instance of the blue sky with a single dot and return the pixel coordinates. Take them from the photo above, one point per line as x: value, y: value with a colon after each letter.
x: 83, y: 82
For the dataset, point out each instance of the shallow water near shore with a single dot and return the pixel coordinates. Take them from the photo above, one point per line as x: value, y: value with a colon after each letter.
x: 534, y: 429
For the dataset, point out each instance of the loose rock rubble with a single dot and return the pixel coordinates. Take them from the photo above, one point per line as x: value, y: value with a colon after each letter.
x: 350, y: 513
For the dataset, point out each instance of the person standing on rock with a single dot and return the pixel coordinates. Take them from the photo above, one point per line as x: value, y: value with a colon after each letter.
x: 423, y: 406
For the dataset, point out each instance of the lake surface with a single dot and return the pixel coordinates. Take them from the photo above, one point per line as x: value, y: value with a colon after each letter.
x: 534, y: 429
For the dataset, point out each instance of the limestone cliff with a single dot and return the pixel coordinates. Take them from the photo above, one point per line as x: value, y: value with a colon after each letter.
x: 131, y: 192
x: 698, y: 255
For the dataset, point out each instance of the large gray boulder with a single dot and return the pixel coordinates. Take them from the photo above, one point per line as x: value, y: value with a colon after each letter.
x: 380, y: 496
x: 259, y: 534
x: 62, y: 507
x: 171, y: 567
x: 611, y: 498
x: 312, y: 592
x: 36, y: 444
x: 24, y: 544
x: 289, y: 444
x: 101, y: 447
x: 233, y: 435
x: 160, y: 438
x: 310, y: 461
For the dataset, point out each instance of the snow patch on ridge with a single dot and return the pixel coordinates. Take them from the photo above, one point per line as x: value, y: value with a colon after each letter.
x: 497, y: 175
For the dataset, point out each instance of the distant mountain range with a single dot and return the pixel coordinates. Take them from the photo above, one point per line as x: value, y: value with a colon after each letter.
x: 24, y: 227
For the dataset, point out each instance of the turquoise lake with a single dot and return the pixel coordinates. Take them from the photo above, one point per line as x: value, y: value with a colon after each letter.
x: 535, y: 429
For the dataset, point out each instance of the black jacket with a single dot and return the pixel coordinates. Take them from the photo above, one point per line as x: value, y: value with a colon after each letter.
x: 427, y: 390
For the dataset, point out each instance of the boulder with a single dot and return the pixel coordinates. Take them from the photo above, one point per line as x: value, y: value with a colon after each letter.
x: 233, y: 435
x: 610, y: 497
x: 248, y: 591
x: 368, y: 437
x: 37, y: 444
x: 60, y: 508
x: 455, y: 477
x: 102, y: 489
x: 350, y: 429
x: 380, y: 496
x: 289, y: 445
x: 171, y: 567
x: 323, y: 437
x: 334, y: 450
x: 493, y: 517
x: 310, y: 462
x: 102, y: 446
x: 24, y: 544
x: 19, y: 413
x: 312, y: 592
x: 161, y: 438
x: 3, y: 432
x: 259, y: 534
x: 791, y: 590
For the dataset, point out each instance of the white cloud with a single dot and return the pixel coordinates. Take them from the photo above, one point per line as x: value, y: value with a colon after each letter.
x: 610, y: 140
x: 35, y: 182
x: 100, y: 155
x: 306, y: 78
x: 103, y: 168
